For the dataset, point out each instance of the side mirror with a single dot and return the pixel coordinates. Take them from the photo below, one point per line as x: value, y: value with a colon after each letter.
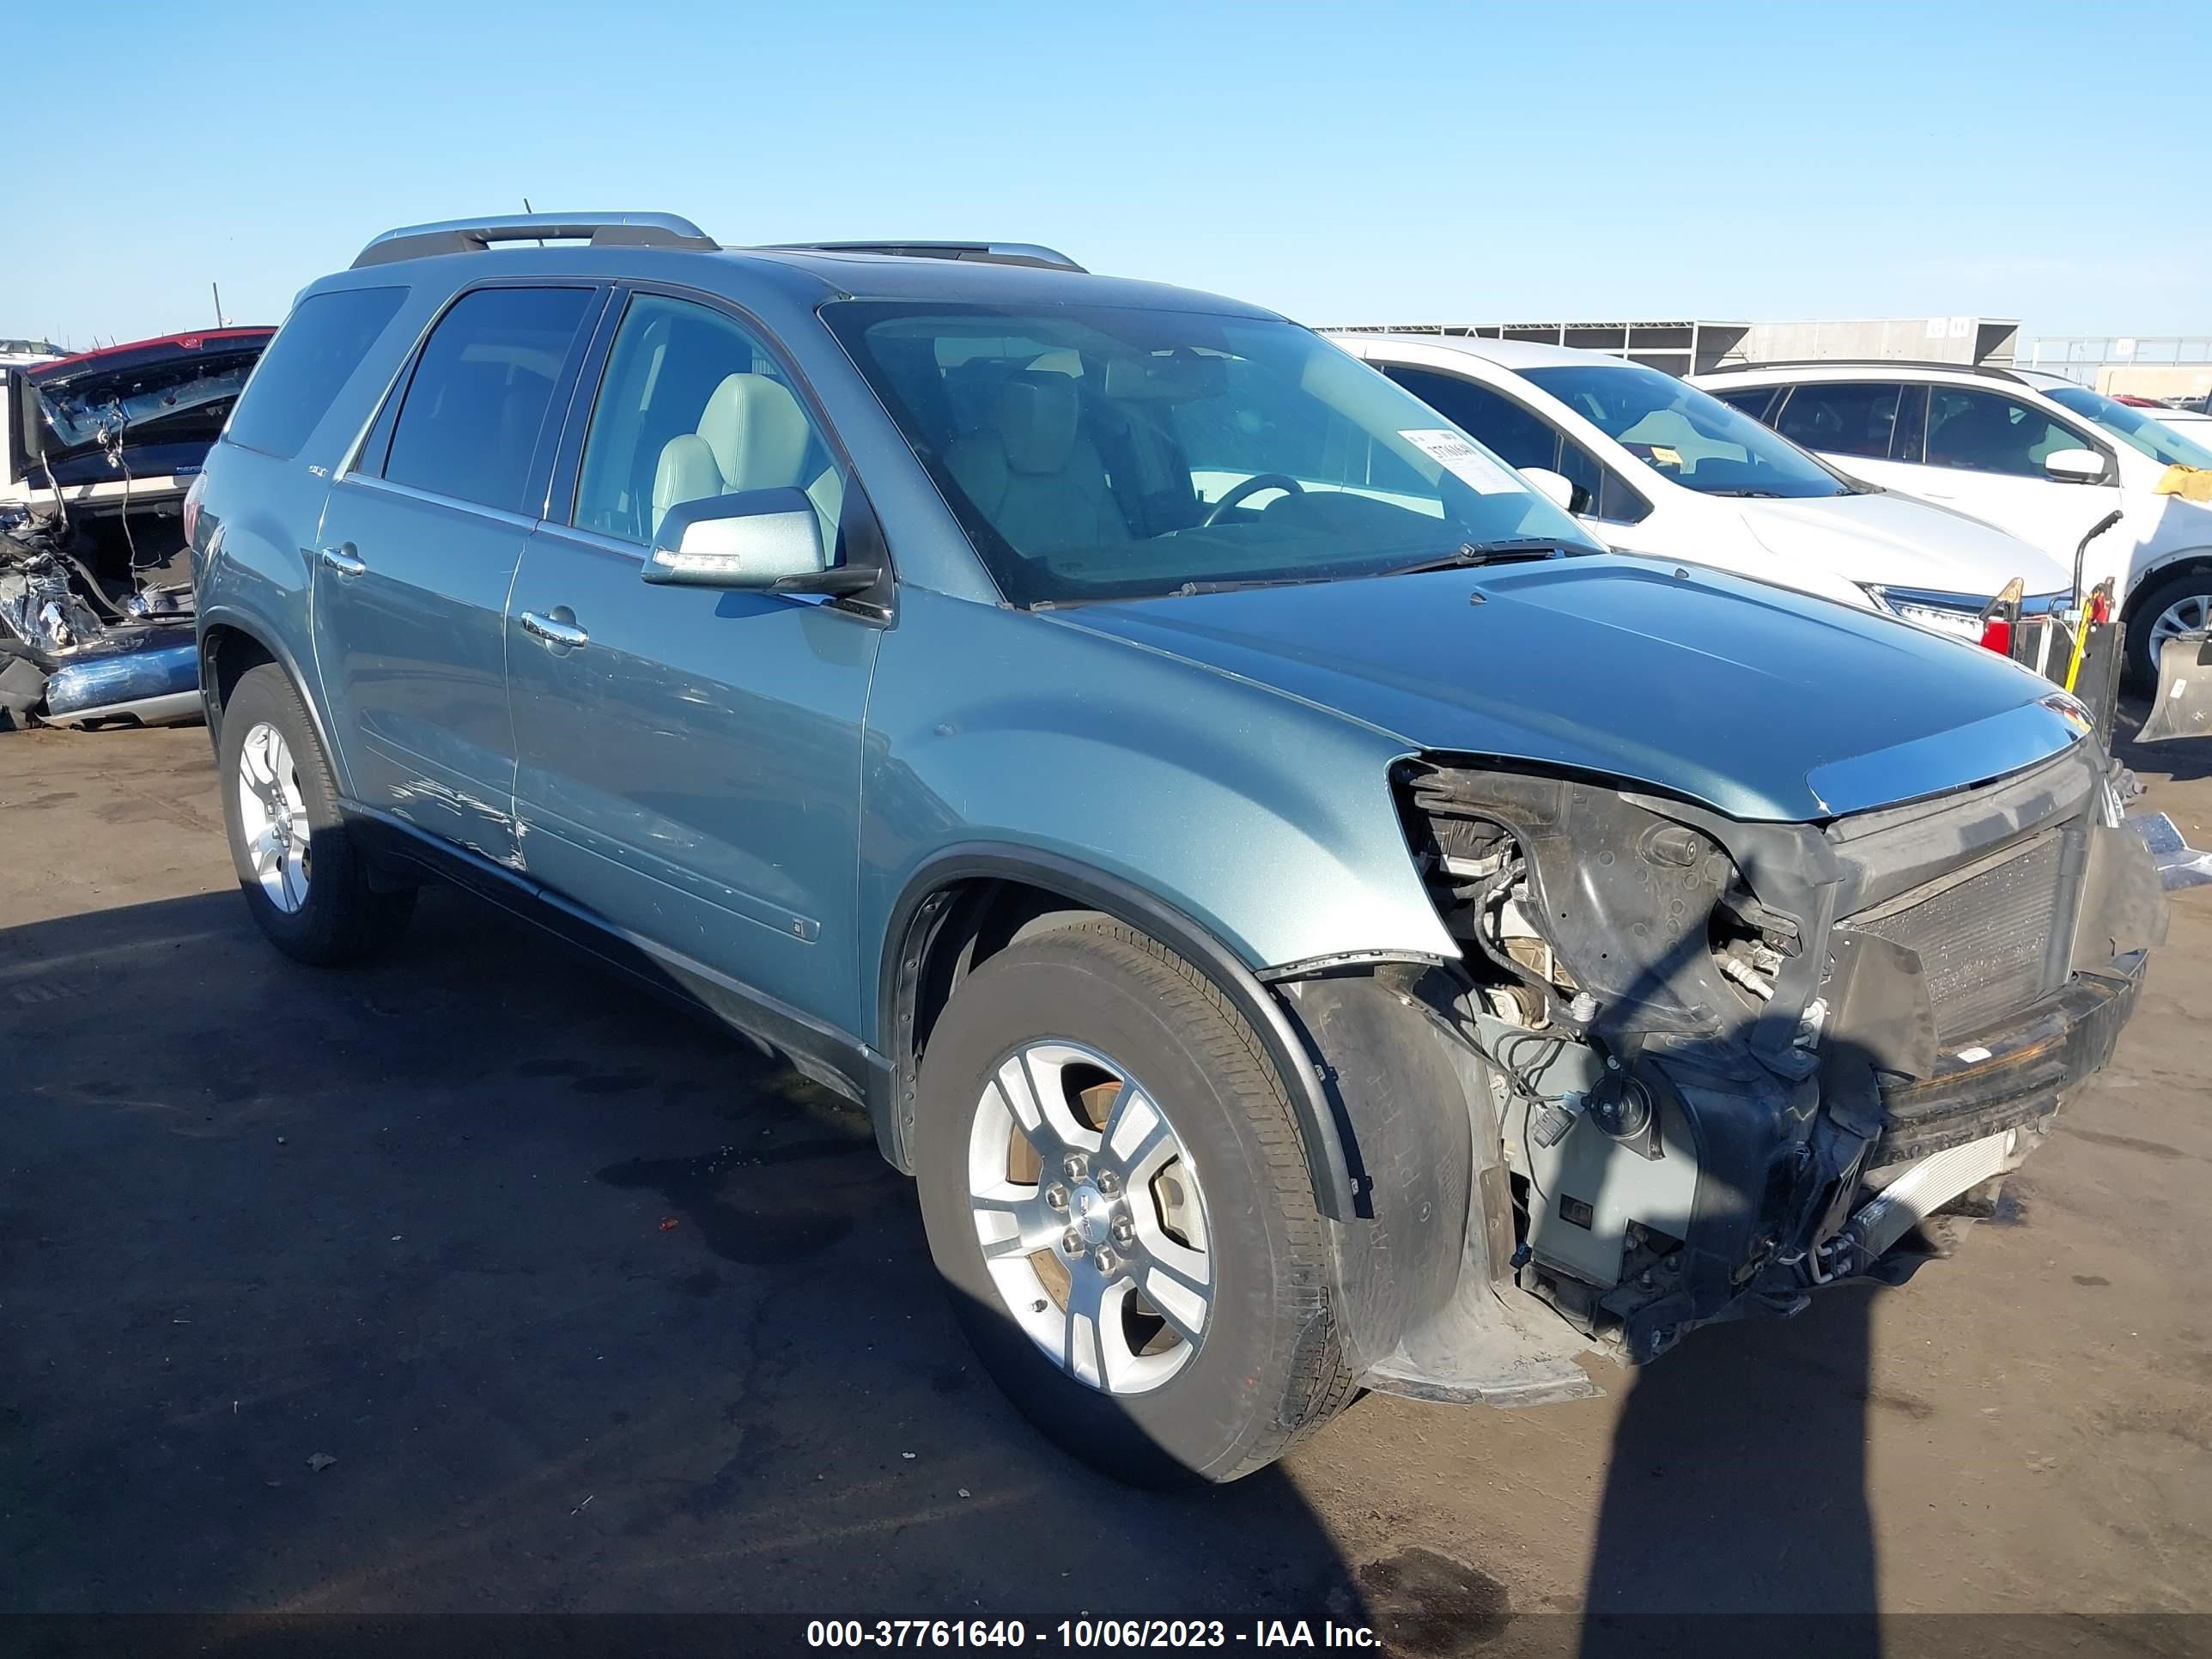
x: 757, y: 538
x: 2075, y: 465
x: 1558, y: 488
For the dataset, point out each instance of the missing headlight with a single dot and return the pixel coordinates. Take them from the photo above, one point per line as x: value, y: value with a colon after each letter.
x: 1476, y: 869
x: 1751, y: 942
x: 1578, y: 906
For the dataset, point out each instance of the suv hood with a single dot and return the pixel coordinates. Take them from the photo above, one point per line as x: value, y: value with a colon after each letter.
x: 1762, y: 703
x: 1894, y: 541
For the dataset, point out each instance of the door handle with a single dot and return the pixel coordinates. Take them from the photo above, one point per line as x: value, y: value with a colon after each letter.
x: 344, y: 560
x: 554, y: 632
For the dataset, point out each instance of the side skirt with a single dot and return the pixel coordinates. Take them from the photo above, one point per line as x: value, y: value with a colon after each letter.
x: 818, y: 1051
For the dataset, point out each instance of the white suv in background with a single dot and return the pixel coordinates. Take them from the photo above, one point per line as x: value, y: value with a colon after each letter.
x: 2032, y: 453
x: 1657, y: 467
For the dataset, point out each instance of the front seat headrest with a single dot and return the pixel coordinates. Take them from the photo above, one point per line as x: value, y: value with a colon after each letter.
x: 1036, y: 418
x: 757, y: 433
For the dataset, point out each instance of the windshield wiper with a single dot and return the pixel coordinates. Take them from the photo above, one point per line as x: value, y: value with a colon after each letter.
x: 1231, y: 584
x: 1500, y: 552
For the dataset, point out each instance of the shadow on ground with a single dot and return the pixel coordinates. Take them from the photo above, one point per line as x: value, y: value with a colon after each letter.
x: 1737, y: 1483
x: 478, y: 1281
x: 2180, y: 761
x: 588, y: 1307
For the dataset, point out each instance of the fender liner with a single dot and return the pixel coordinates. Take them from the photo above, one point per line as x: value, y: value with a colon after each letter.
x: 1425, y: 1300
x: 923, y: 906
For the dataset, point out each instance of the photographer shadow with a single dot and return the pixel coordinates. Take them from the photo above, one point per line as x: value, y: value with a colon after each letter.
x: 1735, y: 1494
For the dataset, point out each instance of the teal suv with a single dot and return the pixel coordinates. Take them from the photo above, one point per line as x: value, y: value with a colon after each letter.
x: 1307, y: 916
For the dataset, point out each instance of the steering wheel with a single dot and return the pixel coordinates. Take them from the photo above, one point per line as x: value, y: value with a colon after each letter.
x: 1252, y: 486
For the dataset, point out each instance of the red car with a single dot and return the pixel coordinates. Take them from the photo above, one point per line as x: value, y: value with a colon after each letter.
x: 98, y: 451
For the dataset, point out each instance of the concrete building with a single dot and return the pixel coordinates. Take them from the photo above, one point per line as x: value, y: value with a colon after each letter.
x: 1692, y: 347
x: 2121, y: 365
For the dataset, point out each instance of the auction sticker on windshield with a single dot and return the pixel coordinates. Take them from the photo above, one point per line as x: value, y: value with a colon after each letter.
x: 1462, y: 461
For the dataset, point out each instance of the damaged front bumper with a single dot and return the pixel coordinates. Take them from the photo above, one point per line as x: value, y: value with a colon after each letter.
x: 1836, y: 1203
x: 1745, y: 1063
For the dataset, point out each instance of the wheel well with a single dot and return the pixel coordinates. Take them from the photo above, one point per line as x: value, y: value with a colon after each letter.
x: 987, y: 900
x: 960, y: 928
x: 225, y: 655
x: 2188, y: 565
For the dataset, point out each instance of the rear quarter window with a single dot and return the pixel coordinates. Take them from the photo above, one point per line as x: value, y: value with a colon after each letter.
x: 318, y: 347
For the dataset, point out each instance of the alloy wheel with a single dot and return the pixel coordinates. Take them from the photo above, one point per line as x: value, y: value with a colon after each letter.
x: 1092, y: 1222
x: 2187, y: 615
x: 273, y: 818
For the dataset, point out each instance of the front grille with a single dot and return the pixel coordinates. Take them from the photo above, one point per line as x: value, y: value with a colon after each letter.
x: 1984, y: 940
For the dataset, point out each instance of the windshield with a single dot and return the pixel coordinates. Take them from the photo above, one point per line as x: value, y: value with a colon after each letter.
x: 2134, y: 428
x: 1685, y: 434
x: 1096, y: 452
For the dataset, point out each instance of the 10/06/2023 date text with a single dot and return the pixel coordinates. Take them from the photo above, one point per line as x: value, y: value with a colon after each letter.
x: 1084, y: 1633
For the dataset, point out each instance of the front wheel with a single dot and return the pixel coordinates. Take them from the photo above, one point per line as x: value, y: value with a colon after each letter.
x: 2181, y: 603
x: 1118, y: 1198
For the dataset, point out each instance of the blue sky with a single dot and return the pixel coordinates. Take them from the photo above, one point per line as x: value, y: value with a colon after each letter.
x: 1382, y: 163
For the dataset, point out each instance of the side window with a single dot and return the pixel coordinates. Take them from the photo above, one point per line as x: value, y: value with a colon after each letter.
x: 1522, y: 438
x: 1847, y: 417
x: 1983, y: 431
x: 1753, y: 400
x: 1500, y: 425
x: 692, y: 406
x: 1616, y: 501
x: 477, y: 402
x: 321, y: 343
x: 1606, y: 495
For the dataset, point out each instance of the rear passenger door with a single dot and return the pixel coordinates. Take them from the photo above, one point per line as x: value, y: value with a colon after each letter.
x: 689, y: 757
x: 1871, y: 429
x: 418, y: 546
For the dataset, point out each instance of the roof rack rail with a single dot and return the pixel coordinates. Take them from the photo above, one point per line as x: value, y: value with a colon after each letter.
x: 475, y: 235
x: 996, y: 253
x: 1994, y: 371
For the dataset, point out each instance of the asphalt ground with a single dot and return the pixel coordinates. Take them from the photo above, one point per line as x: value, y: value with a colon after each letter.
x: 476, y: 1281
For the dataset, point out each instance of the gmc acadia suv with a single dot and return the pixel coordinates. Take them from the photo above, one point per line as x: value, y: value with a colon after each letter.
x: 1308, y: 918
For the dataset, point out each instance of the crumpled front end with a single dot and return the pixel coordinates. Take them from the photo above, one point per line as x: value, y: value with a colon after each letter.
x: 1721, y: 1064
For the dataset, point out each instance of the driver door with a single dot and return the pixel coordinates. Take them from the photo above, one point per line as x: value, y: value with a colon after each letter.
x: 689, y: 758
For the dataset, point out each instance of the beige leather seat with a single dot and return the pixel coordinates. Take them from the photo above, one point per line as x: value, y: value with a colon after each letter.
x: 751, y: 436
x: 1033, y: 473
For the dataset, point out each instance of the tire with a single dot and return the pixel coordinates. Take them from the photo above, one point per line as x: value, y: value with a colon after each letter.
x: 320, y: 907
x: 2154, y: 602
x: 1266, y: 1369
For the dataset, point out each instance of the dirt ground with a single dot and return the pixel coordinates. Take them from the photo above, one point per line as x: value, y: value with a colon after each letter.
x: 594, y: 1310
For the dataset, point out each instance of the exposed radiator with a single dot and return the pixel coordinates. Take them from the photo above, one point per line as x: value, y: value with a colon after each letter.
x: 1984, y: 941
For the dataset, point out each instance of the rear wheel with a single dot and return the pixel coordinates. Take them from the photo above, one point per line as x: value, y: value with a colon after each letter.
x: 304, y: 880
x: 1118, y: 1198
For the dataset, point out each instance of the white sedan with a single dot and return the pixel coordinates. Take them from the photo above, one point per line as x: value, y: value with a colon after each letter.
x: 1657, y: 467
